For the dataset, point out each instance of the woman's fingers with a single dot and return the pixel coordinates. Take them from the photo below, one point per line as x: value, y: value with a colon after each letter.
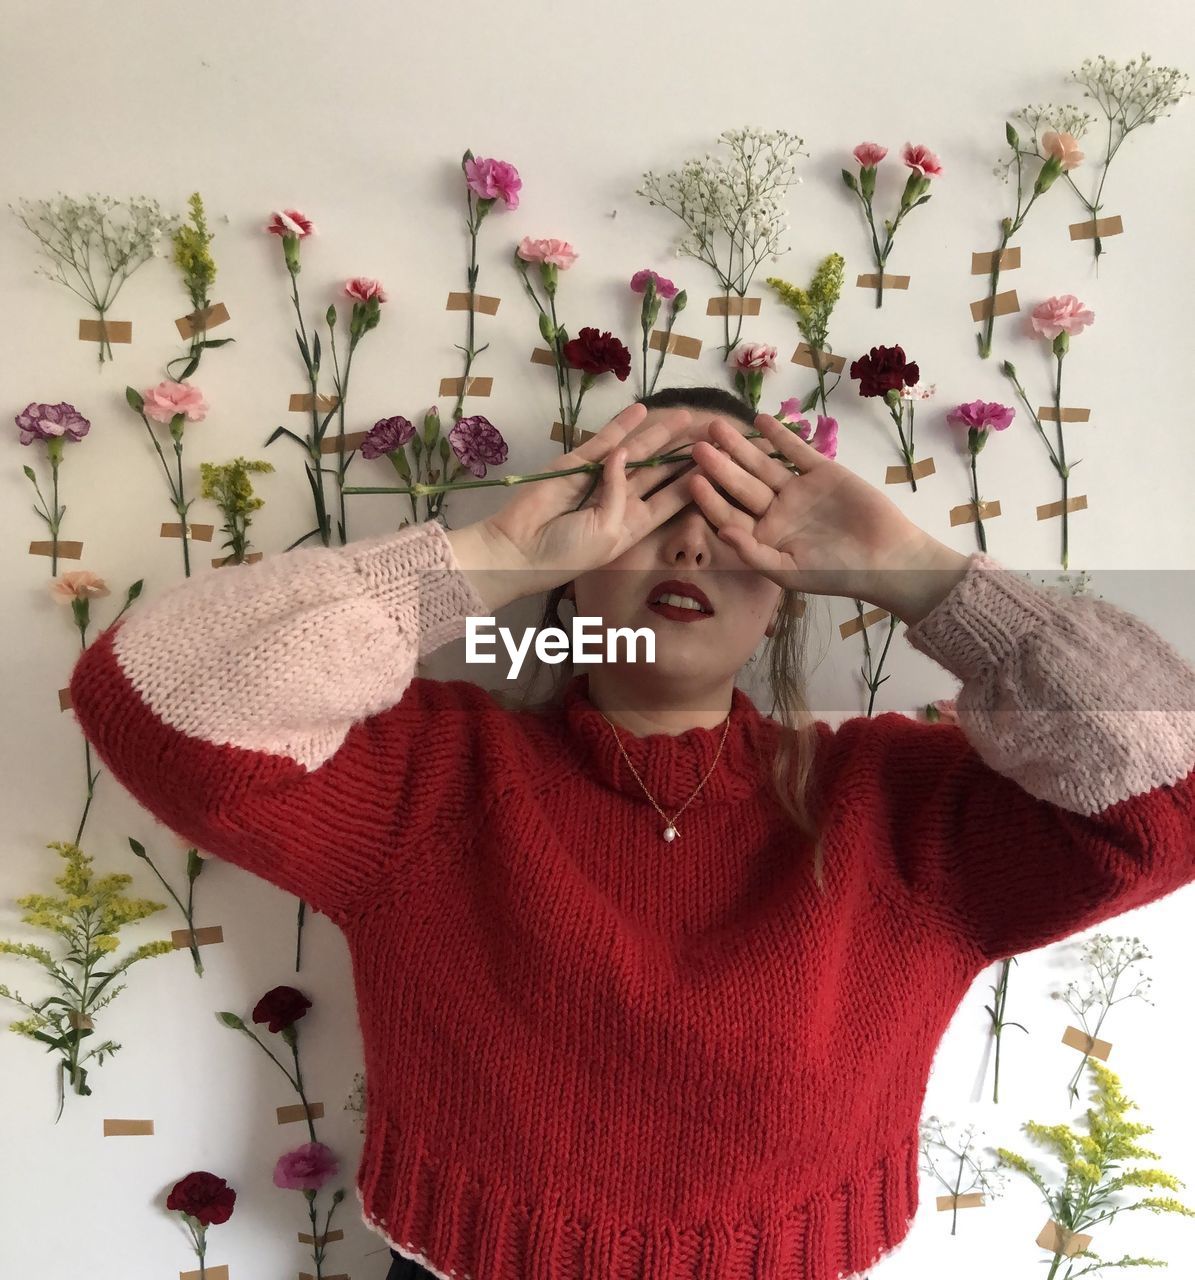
x: 753, y: 553
x: 789, y: 442
x: 745, y: 472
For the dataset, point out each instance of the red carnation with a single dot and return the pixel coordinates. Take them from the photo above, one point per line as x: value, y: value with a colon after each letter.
x: 884, y: 369
x: 204, y: 1197
x: 596, y: 353
x: 281, y: 1007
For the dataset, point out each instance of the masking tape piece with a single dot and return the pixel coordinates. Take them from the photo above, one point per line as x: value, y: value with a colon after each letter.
x: 64, y: 699
x: 966, y: 514
x: 79, y: 1021
x: 983, y: 263
x: 203, y: 937
x: 212, y: 1273
x: 66, y: 550
x: 477, y: 386
x: 968, y: 1200
x: 296, y: 1111
x: 678, y: 344
x: 580, y: 435
x: 1086, y: 1044
x: 1047, y: 413
x: 1100, y: 227
x: 352, y: 440
x: 890, y: 282
x: 541, y: 355
x: 1051, y: 509
x: 848, y: 629
x: 732, y: 307
x: 804, y: 355
x: 900, y: 474
x: 481, y: 303
x: 305, y: 1237
x: 127, y: 1128
x: 98, y: 330
x: 200, y: 321
x: 224, y: 562
x: 197, y: 532
x: 1055, y: 1238
x: 301, y: 400
x: 306, y: 1275
x: 1005, y: 304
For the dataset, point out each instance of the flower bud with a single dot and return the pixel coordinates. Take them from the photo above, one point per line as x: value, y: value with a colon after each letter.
x: 867, y: 180
x: 680, y: 302
x: 135, y: 399
x: 547, y: 330
x: 1048, y: 175
x: 431, y: 426
x: 1014, y: 139
x: 1062, y: 343
x: 1008, y: 369
x: 849, y: 178
x: 330, y: 317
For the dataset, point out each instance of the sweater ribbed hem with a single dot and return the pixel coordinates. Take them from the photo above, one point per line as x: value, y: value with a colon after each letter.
x: 415, y: 577
x: 462, y: 1228
x: 981, y: 619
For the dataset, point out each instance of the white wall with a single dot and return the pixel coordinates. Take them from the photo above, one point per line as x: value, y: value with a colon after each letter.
x: 359, y: 114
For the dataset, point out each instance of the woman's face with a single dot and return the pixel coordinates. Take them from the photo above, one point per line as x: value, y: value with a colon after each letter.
x: 686, y: 547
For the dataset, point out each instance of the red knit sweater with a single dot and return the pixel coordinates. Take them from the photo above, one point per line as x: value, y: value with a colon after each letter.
x: 591, y: 1054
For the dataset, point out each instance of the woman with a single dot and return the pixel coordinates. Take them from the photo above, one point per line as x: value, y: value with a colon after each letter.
x: 649, y: 983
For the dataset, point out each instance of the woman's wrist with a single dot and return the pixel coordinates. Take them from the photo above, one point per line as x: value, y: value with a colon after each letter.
x: 490, y: 564
x: 916, y: 577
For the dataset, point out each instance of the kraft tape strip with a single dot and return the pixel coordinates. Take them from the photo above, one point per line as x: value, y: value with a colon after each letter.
x: 352, y: 440
x: 1005, y: 304
x: 968, y: 1200
x: 678, y: 344
x: 477, y: 386
x: 848, y: 629
x: 305, y: 1237
x: 181, y: 938
x: 78, y: 1020
x: 966, y: 514
x: 66, y: 550
x: 732, y: 307
x: 287, y: 1115
x: 890, y: 282
x: 340, y: 1275
x: 1087, y: 1044
x: 1055, y: 1237
x: 982, y: 263
x: 197, y: 532
x: 481, y: 303
x: 580, y: 435
x: 1051, y: 509
x: 541, y: 355
x: 1047, y: 413
x: 200, y: 321
x: 1088, y: 230
x: 212, y: 1273
x: 900, y: 474
x: 223, y: 562
x: 302, y: 400
x: 64, y: 699
x: 127, y: 1128
x: 804, y: 355
x: 98, y: 330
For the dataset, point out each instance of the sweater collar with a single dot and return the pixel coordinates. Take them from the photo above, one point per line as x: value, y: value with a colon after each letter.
x: 671, y: 765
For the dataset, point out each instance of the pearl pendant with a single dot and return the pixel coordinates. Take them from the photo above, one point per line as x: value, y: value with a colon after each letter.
x: 670, y: 833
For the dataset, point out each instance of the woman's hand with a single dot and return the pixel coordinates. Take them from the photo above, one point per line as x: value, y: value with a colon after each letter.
x: 542, y: 538
x: 821, y: 529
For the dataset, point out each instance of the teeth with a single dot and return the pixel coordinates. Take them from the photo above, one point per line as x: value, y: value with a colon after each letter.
x: 681, y: 602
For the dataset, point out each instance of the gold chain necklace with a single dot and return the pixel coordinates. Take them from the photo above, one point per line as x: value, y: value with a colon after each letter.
x: 670, y: 831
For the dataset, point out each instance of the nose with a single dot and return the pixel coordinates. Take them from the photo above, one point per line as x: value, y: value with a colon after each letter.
x: 688, y: 537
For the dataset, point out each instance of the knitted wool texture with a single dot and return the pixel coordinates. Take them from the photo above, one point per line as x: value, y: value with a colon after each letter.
x: 592, y: 1055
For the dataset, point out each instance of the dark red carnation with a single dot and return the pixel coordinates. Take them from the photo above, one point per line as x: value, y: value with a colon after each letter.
x: 203, y: 1196
x: 884, y: 369
x: 596, y: 353
x: 281, y: 1007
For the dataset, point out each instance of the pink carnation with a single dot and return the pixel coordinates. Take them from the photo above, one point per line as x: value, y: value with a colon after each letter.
x: 824, y: 438
x: 981, y: 415
x: 754, y: 356
x: 363, y: 289
x: 306, y: 1168
x: 869, y: 154
x: 494, y: 180
x: 1063, y: 314
x: 290, y: 222
x: 664, y: 287
x: 169, y: 398
x: 78, y: 584
x: 555, y: 253
x: 1063, y: 147
x: 922, y: 160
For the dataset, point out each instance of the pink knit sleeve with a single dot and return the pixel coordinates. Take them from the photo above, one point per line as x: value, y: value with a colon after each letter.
x: 1066, y: 793
x: 271, y: 714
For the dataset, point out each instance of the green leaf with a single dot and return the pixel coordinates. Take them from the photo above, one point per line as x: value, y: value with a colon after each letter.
x: 217, y: 342
x: 137, y: 847
x: 284, y: 431
x: 135, y: 589
x: 29, y: 472
x: 135, y: 399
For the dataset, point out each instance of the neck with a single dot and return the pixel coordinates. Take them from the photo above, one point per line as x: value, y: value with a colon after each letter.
x: 659, y: 704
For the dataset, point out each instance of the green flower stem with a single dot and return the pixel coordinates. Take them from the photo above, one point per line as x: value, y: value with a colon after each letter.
x: 342, y: 391
x: 1064, y: 470
x: 983, y: 542
x: 871, y: 675
x: 92, y: 778
x: 1008, y: 228
x: 906, y: 450
x: 294, y: 1047
x: 470, y: 353
x: 315, y: 470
